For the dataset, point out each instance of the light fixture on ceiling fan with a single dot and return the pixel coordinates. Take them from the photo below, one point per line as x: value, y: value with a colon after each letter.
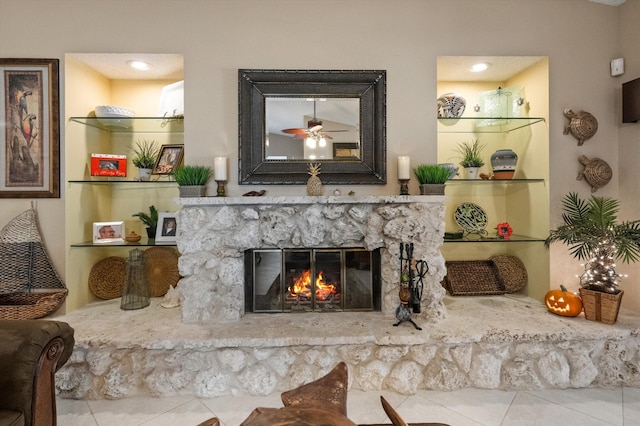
x: 312, y: 135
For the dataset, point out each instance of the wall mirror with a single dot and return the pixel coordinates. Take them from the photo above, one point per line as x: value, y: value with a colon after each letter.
x: 289, y: 118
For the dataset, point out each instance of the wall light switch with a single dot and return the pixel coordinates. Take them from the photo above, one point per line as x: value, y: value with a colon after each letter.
x: 617, y: 67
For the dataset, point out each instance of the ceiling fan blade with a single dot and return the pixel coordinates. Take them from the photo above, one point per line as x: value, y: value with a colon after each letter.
x: 295, y: 131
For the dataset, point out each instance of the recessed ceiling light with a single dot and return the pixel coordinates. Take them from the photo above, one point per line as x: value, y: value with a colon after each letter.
x: 139, y: 65
x: 479, y: 67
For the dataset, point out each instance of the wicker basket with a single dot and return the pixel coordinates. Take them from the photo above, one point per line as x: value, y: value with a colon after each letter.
x: 29, y: 285
x: 498, y: 275
x: 161, y: 265
x: 106, y: 279
x: 599, y: 306
x: 473, y: 278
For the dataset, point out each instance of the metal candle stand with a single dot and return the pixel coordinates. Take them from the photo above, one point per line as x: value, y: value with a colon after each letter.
x: 412, y: 274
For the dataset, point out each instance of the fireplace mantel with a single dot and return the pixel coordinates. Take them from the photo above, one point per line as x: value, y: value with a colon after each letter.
x: 302, y: 200
x: 214, y: 233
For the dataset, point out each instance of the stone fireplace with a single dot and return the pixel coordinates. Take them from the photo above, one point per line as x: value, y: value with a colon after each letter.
x: 217, y: 232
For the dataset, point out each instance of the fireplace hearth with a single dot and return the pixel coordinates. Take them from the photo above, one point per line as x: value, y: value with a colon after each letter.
x: 312, y: 280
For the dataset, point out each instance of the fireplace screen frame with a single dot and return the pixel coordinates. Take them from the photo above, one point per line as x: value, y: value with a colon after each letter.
x: 347, y: 302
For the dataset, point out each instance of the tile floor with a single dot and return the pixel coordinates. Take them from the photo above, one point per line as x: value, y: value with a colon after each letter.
x: 466, y: 407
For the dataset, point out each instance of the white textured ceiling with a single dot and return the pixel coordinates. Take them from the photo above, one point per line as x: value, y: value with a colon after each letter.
x: 457, y: 68
x: 163, y: 66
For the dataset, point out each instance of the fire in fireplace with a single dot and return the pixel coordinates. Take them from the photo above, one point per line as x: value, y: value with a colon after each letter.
x: 293, y: 280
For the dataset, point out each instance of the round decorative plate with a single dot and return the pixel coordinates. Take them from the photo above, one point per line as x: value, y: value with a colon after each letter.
x: 471, y: 218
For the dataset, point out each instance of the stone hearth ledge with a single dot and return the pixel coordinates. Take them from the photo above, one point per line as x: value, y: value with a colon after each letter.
x: 494, y: 342
x: 215, y: 232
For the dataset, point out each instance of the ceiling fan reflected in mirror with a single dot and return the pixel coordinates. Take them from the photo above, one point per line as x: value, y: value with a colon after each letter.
x: 313, y: 134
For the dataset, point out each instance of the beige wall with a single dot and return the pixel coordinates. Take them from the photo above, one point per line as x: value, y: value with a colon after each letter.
x: 402, y: 36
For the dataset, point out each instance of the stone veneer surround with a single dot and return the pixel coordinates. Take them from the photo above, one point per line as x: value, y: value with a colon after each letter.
x: 214, y: 233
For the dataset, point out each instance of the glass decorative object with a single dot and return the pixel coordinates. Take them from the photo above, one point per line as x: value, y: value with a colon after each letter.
x: 135, y: 294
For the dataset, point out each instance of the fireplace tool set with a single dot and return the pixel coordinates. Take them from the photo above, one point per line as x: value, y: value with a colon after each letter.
x: 412, y: 274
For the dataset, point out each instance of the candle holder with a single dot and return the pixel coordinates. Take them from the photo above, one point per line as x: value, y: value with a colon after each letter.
x: 404, y: 186
x: 220, y: 191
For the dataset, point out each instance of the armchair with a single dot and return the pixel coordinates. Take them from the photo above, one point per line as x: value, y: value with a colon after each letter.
x: 30, y: 353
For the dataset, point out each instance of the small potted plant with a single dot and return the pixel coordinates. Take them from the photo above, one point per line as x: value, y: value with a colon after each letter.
x: 192, y: 180
x: 593, y: 234
x: 150, y: 220
x: 432, y: 178
x: 145, y: 155
x: 471, y: 157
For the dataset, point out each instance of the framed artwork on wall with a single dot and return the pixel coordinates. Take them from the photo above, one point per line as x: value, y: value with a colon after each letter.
x: 108, y: 232
x: 30, y: 142
x: 166, y: 230
x: 169, y: 159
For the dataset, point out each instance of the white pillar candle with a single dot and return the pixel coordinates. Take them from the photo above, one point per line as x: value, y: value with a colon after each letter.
x: 404, y: 170
x: 220, y: 168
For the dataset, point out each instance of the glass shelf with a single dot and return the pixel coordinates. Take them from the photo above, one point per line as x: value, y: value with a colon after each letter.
x: 485, y: 124
x: 491, y: 181
x: 144, y: 242
x: 133, y: 124
x: 128, y: 182
x: 491, y: 239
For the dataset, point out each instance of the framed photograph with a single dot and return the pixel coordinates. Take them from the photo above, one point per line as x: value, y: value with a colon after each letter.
x: 348, y: 150
x: 108, y: 232
x: 30, y: 141
x: 169, y: 158
x: 166, y: 230
x: 108, y: 165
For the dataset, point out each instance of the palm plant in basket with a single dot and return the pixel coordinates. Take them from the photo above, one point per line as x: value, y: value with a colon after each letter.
x: 593, y: 234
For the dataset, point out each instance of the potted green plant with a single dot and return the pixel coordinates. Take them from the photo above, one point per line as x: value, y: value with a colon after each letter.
x: 192, y: 180
x: 593, y: 234
x: 471, y: 157
x: 432, y: 178
x: 150, y: 220
x: 145, y: 155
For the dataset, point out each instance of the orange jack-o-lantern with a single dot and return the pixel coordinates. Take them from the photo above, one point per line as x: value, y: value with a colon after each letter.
x: 562, y: 302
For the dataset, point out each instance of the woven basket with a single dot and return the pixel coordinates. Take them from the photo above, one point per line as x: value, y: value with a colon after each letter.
x: 499, y: 274
x: 599, y: 306
x: 161, y: 265
x: 29, y: 285
x: 472, y: 278
x: 511, y: 271
x: 106, y: 279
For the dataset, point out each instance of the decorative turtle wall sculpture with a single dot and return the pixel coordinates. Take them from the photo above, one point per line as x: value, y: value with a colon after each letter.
x: 582, y: 125
x: 596, y: 172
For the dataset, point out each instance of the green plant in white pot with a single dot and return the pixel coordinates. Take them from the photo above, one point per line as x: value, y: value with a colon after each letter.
x: 593, y: 234
x: 432, y: 178
x: 145, y: 155
x: 471, y: 158
x: 192, y: 180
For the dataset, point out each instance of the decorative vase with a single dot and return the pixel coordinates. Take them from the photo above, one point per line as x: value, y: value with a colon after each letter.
x: 144, y: 174
x: 503, y: 162
x: 192, y: 190
x: 151, y: 232
x: 472, y: 172
x: 600, y: 306
x: 431, y: 189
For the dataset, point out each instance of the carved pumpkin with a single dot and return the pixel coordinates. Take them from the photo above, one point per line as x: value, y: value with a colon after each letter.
x: 563, y: 302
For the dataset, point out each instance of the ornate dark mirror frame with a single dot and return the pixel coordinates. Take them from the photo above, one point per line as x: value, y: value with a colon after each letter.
x: 256, y: 85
